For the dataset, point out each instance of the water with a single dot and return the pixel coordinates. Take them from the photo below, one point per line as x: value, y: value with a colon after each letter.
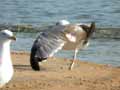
x: 106, y: 13
x: 104, y: 51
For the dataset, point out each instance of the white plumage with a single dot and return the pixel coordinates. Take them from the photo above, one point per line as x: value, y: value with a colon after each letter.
x: 6, y: 68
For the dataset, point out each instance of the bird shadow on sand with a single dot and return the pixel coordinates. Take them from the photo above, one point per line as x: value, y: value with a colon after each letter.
x: 26, y: 68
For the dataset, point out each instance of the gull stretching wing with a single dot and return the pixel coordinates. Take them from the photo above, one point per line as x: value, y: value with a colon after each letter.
x: 47, y: 43
x: 68, y: 37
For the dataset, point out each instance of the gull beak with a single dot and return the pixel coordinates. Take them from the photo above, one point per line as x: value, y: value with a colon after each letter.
x: 12, y: 38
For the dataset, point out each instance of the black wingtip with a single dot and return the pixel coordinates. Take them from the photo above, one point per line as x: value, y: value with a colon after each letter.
x: 35, y: 64
x: 92, y: 29
x: 89, y: 29
x: 33, y: 60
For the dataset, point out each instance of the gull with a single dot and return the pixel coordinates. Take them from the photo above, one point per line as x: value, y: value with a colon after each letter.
x: 64, y: 36
x: 6, y: 68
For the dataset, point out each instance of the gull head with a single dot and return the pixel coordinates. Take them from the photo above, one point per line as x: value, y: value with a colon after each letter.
x: 63, y: 22
x: 6, y: 35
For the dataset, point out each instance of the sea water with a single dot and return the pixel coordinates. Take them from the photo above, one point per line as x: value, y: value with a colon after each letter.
x: 106, y: 13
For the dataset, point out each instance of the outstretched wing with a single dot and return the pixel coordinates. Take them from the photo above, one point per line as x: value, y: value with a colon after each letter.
x: 49, y: 42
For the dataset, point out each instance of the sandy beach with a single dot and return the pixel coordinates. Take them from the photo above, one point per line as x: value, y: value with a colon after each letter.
x: 54, y: 75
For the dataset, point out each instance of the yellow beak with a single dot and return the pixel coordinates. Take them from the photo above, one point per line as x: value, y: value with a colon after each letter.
x: 12, y: 38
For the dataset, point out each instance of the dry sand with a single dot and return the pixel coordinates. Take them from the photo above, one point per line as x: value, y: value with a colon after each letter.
x: 54, y: 75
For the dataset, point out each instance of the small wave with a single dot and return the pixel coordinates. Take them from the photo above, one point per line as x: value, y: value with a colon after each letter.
x: 113, y: 33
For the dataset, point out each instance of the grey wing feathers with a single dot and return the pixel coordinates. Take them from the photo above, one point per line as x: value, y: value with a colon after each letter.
x: 48, y: 43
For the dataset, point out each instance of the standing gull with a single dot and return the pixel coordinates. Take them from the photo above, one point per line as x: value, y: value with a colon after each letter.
x: 6, y: 68
x: 67, y: 37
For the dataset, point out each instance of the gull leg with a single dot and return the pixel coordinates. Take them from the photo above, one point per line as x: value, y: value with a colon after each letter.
x: 74, y: 58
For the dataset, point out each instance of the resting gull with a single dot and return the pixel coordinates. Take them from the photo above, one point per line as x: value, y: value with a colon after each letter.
x: 62, y: 36
x: 6, y: 68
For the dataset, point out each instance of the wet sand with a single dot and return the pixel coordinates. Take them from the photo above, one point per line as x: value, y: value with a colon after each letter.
x: 54, y: 75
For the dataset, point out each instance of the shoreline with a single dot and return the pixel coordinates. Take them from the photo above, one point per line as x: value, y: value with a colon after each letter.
x: 54, y: 75
x: 28, y: 53
x: 100, y: 32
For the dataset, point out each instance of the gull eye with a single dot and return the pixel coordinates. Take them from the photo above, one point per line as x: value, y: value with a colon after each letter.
x: 3, y: 34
